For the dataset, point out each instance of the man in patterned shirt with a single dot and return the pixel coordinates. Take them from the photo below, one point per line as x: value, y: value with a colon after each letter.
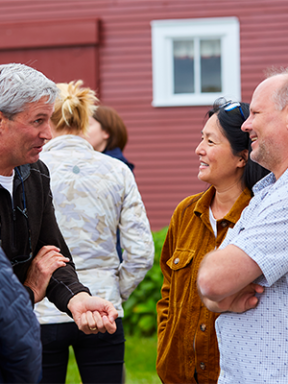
x: 247, y: 277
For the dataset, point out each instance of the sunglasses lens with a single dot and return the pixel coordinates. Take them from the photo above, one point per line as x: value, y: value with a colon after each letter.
x: 232, y: 106
x: 235, y: 107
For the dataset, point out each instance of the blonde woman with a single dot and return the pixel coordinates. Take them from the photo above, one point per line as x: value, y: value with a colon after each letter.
x: 93, y: 195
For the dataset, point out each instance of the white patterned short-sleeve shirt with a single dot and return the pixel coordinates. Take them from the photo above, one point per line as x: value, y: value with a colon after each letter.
x: 254, y: 345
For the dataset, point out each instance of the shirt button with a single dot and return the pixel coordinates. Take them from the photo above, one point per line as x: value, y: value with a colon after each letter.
x: 224, y: 224
x: 176, y: 261
x: 202, y: 366
x: 203, y: 327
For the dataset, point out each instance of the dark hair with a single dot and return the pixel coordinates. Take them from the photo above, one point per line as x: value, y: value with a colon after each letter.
x: 112, y: 123
x: 230, y: 124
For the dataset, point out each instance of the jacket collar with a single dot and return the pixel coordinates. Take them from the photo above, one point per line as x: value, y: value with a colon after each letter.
x: 203, y: 204
x: 24, y: 171
x: 66, y: 141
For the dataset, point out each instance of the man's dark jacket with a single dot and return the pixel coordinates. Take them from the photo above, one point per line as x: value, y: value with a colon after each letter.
x: 41, y: 222
x: 20, y: 345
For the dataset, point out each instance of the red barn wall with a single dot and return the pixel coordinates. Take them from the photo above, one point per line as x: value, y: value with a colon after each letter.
x: 161, y: 140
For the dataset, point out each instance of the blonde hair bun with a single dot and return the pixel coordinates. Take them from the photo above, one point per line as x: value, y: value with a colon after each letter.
x: 73, y: 107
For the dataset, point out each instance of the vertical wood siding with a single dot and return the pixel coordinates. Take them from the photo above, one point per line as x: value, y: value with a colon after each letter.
x: 162, y: 140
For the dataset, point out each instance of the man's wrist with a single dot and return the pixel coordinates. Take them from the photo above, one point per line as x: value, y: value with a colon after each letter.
x: 78, y: 297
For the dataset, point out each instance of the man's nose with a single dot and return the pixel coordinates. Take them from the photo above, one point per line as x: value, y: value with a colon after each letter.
x: 46, y: 132
x: 246, y: 126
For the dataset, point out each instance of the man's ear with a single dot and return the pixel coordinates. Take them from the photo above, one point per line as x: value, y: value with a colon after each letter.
x: 243, y: 158
x: 286, y: 118
x: 2, y: 119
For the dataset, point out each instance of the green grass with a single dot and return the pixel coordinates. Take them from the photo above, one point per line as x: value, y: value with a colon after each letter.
x: 140, y: 320
x: 140, y: 358
x: 73, y: 376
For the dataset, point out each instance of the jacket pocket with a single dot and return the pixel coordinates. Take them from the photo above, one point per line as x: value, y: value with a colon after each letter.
x: 180, y: 258
x: 181, y: 264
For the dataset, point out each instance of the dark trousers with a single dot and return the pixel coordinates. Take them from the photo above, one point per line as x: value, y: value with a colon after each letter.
x: 99, y: 357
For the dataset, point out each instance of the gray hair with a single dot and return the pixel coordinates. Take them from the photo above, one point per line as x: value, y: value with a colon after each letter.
x: 280, y: 96
x: 19, y: 85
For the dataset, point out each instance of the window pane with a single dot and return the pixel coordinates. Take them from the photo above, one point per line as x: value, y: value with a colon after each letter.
x: 210, y: 51
x: 183, y: 55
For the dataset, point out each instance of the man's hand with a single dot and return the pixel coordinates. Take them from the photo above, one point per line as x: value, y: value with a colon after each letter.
x: 47, y: 260
x: 225, y: 280
x: 240, y: 302
x: 93, y: 314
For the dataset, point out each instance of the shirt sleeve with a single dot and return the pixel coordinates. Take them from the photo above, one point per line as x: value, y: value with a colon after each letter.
x: 264, y: 238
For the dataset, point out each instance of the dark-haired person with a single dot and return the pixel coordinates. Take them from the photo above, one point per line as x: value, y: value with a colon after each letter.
x: 246, y: 278
x: 108, y: 133
x: 187, y: 344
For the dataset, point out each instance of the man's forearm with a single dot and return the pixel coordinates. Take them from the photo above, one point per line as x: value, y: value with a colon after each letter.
x: 225, y: 280
x: 226, y: 272
x: 213, y: 306
x: 239, y: 302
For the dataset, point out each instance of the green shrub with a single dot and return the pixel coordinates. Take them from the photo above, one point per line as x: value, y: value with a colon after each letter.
x: 140, y: 316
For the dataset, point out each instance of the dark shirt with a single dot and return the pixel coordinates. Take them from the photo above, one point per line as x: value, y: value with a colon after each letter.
x: 117, y: 154
x: 17, y: 227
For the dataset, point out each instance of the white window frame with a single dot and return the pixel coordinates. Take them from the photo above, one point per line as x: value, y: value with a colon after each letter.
x: 164, y: 32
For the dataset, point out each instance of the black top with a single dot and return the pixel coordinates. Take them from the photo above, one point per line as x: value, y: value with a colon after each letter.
x: 33, y: 191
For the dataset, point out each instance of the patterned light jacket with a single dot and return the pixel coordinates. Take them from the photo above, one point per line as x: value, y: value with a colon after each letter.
x: 93, y: 194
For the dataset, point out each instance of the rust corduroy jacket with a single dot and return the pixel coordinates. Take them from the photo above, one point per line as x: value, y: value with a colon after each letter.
x: 186, y: 332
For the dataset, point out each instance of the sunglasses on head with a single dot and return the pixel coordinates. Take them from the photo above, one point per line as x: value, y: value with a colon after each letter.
x: 234, y: 107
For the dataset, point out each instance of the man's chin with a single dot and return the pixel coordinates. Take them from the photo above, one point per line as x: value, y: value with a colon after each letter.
x: 261, y: 160
x: 33, y: 159
x: 254, y: 157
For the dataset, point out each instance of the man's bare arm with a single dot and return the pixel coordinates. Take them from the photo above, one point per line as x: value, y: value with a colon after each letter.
x: 225, y: 280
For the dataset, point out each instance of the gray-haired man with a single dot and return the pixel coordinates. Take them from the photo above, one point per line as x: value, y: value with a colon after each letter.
x: 29, y: 233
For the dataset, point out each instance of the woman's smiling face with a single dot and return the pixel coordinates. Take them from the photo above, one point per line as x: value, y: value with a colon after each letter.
x: 218, y: 165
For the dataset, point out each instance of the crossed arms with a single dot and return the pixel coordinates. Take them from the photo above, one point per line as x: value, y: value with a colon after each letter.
x: 225, y: 280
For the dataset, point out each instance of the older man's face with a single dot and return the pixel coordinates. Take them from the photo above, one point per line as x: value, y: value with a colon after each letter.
x: 24, y: 136
x: 267, y: 128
